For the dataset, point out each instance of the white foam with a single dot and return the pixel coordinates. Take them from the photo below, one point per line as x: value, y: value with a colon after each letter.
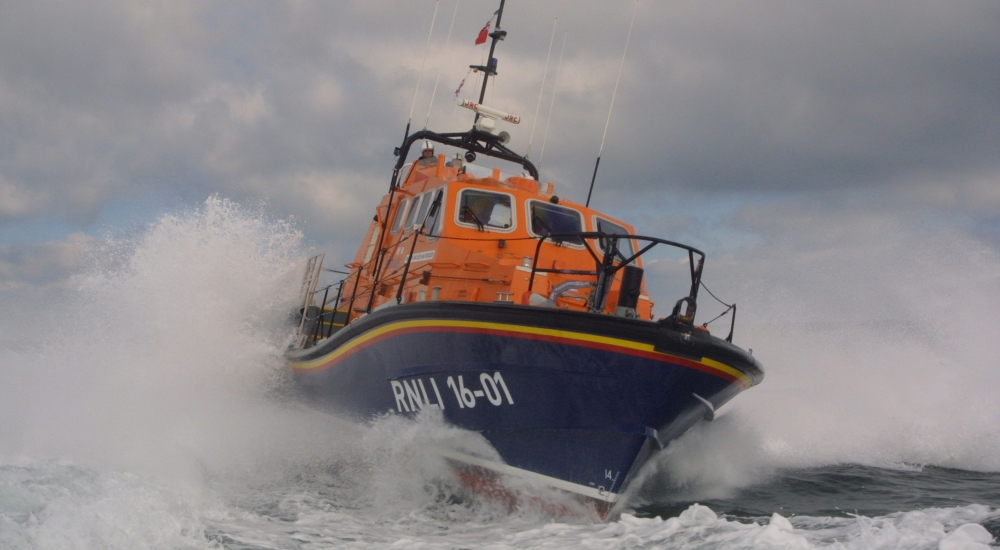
x: 71, y: 507
x: 878, y: 340
x: 162, y: 360
x: 970, y: 536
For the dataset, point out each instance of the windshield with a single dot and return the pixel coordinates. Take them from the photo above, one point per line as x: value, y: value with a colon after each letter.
x: 549, y: 218
x: 413, y: 212
x: 424, y: 205
x: 433, y: 225
x: 396, y: 223
x: 485, y: 209
x: 610, y: 228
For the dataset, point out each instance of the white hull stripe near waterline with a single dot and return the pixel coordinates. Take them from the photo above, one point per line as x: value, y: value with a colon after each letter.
x: 534, y: 477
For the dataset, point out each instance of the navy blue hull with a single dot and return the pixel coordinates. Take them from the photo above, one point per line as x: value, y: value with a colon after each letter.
x: 580, y: 399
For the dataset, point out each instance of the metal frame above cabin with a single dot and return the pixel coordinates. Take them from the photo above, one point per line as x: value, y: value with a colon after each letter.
x: 473, y: 141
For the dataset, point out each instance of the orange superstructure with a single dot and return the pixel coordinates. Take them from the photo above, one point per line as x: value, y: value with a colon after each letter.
x: 471, y: 234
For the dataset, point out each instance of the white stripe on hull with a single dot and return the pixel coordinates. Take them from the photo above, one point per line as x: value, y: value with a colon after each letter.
x: 535, y: 477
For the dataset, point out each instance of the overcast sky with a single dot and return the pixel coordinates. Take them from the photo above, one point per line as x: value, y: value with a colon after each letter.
x: 735, y: 122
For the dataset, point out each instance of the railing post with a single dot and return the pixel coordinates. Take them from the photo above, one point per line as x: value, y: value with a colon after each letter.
x: 354, y: 294
x: 604, y: 271
x: 732, y: 325
x: 534, y: 262
x: 322, y: 313
x: 336, y: 302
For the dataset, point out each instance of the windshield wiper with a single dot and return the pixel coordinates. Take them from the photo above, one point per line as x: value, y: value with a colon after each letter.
x: 479, y: 223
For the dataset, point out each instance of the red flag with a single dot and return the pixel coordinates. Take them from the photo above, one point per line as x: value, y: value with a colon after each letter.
x: 484, y: 33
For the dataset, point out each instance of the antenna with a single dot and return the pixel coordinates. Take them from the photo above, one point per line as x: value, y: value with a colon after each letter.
x: 413, y: 105
x: 394, y: 182
x: 552, y: 102
x: 438, y: 79
x: 615, y: 93
x: 542, y: 89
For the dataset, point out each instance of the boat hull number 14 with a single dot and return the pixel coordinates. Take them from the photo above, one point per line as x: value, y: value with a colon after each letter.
x: 420, y: 393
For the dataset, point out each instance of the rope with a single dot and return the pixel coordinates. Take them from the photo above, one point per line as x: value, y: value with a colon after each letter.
x: 713, y: 295
x: 718, y: 316
x: 729, y: 307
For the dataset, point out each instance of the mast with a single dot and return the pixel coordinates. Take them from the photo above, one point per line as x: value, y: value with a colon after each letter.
x: 491, y: 64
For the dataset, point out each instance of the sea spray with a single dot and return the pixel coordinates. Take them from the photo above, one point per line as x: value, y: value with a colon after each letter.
x: 878, y: 341
x: 154, y: 396
x: 159, y: 359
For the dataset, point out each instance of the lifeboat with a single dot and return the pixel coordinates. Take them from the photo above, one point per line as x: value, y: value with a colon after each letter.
x: 515, y: 313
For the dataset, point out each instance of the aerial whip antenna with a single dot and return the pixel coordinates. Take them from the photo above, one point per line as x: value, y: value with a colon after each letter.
x: 555, y: 84
x: 438, y: 79
x: 413, y: 105
x: 542, y: 89
x: 615, y: 93
x: 394, y: 182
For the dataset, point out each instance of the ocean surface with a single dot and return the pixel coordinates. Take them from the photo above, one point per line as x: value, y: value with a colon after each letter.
x: 145, y: 405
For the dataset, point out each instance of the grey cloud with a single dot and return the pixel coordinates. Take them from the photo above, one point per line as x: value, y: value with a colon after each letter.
x: 110, y: 100
x: 300, y: 103
x: 811, y: 96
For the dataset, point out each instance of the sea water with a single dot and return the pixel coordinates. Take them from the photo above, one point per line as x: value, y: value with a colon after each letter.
x: 147, y: 406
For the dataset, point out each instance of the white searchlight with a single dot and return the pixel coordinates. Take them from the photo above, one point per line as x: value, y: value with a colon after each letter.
x: 489, y: 116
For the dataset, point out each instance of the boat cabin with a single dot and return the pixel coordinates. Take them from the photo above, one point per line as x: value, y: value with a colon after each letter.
x: 458, y: 231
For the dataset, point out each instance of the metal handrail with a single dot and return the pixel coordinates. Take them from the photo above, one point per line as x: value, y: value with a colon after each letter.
x: 318, y: 330
x: 606, y: 266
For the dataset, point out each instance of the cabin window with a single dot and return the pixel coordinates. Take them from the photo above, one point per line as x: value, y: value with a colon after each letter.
x: 611, y: 228
x: 398, y: 221
x: 413, y: 212
x: 371, y: 244
x: 548, y: 218
x: 485, y: 210
x: 424, y: 206
x: 433, y: 225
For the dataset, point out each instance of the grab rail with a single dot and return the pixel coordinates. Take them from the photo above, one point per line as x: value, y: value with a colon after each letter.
x: 606, y: 267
